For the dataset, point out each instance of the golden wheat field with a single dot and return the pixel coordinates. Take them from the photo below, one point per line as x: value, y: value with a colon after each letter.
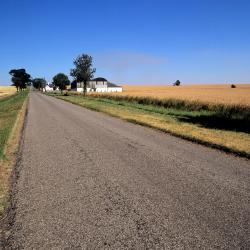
x: 203, y: 93
x: 7, y: 90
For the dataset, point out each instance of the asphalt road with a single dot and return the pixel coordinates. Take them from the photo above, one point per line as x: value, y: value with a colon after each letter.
x: 90, y: 181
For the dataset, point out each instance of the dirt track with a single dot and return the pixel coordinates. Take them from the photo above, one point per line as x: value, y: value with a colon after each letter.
x: 90, y: 181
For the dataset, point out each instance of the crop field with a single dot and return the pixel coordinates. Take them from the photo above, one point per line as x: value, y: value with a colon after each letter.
x: 216, y: 94
x: 7, y: 90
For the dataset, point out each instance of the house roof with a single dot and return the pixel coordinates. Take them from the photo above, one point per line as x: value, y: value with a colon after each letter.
x: 112, y: 85
x: 99, y: 79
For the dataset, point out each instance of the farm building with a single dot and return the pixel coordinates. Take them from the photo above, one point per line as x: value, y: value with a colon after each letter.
x: 48, y: 87
x: 98, y: 84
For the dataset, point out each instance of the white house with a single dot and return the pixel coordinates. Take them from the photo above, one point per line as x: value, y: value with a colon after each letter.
x: 48, y: 87
x: 98, y: 84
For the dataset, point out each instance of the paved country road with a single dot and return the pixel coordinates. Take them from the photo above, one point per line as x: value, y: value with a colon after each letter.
x: 90, y: 181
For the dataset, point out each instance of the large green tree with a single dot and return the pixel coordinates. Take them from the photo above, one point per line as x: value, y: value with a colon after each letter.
x: 83, y: 70
x: 39, y: 83
x: 20, y: 78
x: 61, y: 81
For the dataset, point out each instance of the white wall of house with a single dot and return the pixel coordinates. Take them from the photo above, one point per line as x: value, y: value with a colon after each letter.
x: 80, y: 89
x: 100, y: 90
x: 47, y: 88
x: 114, y: 89
x: 98, y: 85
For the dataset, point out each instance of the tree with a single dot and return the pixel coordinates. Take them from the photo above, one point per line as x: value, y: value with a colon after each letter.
x: 39, y: 83
x: 20, y: 78
x: 83, y: 70
x: 61, y: 81
x: 177, y: 83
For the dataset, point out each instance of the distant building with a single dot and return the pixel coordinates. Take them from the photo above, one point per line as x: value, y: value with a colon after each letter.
x: 98, y: 84
x: 48, y: 87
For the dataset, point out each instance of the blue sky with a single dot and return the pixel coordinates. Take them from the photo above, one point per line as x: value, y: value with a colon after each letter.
x: 131, y: 41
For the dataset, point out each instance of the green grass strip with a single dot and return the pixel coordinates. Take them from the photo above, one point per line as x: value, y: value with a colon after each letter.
x: 9, y: 109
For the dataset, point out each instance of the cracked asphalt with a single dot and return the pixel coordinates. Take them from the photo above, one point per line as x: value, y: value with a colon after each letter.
x: 91, y: 181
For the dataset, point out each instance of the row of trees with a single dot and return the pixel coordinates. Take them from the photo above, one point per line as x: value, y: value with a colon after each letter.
x: 82, y: 72
x: 60, y: 80
x: 39, y: 83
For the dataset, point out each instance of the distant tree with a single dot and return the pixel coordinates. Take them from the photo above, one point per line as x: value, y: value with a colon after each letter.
x: 177, y: 83
x: 61, y: 81
x: 39, y: 83
x: 233, y: 86
x: 20, y: 78
x: 83, y: 70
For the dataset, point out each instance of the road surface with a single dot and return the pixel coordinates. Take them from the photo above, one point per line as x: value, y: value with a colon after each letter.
x: 90, y: 181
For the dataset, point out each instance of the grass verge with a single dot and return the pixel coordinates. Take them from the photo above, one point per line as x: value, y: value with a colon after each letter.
x: 12, y: 113
x: 229, y: 111
x: 219, y: 127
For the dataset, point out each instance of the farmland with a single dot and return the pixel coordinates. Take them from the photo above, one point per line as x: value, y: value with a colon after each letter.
x: 223, y: 94
x: 7, y: 90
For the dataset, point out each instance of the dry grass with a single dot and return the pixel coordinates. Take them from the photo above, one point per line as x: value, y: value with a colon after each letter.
x: 223, y: 94
x: 7, y: 90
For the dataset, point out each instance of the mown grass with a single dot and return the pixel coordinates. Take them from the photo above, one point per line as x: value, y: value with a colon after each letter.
x: 10, y: 108
x: 225, y: 127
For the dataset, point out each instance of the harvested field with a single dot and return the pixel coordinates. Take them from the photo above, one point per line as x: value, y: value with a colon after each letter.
x: 7, y: 90
x: 223, y: 94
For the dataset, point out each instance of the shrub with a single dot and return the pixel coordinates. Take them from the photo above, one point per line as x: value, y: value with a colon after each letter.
x: 177, y: 83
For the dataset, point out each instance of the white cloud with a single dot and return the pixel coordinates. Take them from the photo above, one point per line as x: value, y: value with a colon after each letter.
x: 127, y: 60
x: 127, y: 66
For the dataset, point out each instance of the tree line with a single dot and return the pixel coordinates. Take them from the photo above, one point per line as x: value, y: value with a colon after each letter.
x: 82, y: 72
